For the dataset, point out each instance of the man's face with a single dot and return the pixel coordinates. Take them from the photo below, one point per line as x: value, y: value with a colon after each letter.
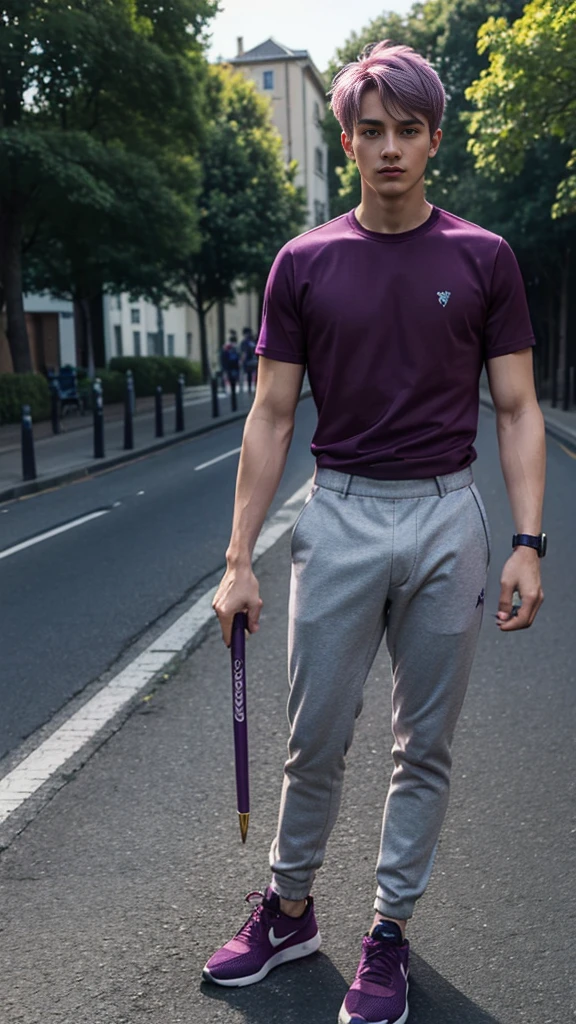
x: 381, y: 141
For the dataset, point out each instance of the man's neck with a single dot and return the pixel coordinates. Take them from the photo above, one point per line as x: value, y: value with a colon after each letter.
x: 391, y: 217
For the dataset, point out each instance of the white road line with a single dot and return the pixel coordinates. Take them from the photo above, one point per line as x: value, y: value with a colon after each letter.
x: 218, y: 459
x: 51, y: 755
x: 53, y: 533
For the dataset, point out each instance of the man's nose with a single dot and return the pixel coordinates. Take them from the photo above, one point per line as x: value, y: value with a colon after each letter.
x: 390, y: 145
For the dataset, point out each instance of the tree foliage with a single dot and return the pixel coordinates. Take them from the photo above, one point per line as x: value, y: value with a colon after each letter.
x: 527, y: 94
x: 80, y: 78
x: 249, y: 205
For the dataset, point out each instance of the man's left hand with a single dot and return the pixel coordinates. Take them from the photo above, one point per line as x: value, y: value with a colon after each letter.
x: 522, y: 573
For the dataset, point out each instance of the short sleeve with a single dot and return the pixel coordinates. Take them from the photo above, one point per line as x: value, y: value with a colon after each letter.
x: 281, y: 334
x: 508, y: 327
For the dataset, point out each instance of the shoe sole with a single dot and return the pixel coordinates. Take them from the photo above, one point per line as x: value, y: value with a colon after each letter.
x: 344, y: 1017
x: 282, y: 957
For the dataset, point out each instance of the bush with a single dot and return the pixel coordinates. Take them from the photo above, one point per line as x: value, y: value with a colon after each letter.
x: 18, y: 389
x: 150, y: 371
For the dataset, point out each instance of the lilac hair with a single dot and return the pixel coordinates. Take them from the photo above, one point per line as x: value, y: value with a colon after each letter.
x: 405, y: 81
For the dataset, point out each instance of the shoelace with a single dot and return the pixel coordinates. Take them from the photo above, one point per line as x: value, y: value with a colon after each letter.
x: 379, y: 963
x: 253, y: 922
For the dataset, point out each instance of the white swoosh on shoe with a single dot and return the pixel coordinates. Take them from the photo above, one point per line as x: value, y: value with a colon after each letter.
x: 275, y: 941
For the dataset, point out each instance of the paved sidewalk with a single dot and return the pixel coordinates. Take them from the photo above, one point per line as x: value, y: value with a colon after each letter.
x: 69, y: 455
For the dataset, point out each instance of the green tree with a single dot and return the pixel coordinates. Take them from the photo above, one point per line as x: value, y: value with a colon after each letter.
x: 528, y: 93
x: 249, y: 204
x: 121, y: 73
x: 132, y: 240
x: 525, y: 112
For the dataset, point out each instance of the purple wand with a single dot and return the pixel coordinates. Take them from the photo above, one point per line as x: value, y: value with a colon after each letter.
x: 238, y: 652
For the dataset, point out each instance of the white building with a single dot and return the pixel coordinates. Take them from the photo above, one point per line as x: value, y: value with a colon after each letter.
x: 297, y: 94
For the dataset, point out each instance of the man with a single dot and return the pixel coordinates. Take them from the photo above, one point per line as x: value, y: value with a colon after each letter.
x: 230, y: 361
x: 249, y: 358
x: 393, y: 308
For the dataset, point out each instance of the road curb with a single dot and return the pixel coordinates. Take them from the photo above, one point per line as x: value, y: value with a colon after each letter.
x: 555, y: 430
x: 47, y: 483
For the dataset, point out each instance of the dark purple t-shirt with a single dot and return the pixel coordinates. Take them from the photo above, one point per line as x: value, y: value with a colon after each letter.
x: 394, y: 330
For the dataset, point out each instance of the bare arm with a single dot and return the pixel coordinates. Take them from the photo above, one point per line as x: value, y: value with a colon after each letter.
x: 267, y: 436
x: 521, y: 439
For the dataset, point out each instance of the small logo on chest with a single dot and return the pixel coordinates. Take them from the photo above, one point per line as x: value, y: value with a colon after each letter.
x: 443, y: 297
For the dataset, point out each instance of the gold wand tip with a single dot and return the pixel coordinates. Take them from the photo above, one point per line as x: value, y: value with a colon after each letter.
x: 244, y: 819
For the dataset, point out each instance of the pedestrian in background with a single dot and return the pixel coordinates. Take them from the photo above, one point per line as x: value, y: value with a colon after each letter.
x: 230, y: 361
x: 394, y: 308
x: 249, y: 357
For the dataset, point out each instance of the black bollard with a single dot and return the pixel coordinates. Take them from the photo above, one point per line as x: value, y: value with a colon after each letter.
x: 129, y: 412
x: 159, y: 413
x: 233, y: 397
x: 215, y: 402
x: 28, y: 459
x: 98, y: 406
x: 55, y: 406
x: 180, y: 404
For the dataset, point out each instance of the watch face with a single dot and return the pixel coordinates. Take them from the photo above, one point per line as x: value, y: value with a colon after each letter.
x: 543, y: 545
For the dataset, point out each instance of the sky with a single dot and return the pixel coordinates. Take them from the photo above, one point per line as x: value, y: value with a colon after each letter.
x: 319, y: 26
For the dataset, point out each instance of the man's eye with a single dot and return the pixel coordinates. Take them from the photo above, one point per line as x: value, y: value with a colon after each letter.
x: 413, y: 130
x: 371, y: 132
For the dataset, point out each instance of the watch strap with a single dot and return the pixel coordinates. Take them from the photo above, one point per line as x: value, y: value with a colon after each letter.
x: 528, y: 540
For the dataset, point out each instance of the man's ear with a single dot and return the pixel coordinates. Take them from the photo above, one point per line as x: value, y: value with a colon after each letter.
x: 347, y: 146
x: 435, y: 142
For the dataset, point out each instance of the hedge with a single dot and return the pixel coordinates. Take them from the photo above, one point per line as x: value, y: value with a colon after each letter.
x: 18, y: 389
x: 113, y: 387
x: 149, y: 371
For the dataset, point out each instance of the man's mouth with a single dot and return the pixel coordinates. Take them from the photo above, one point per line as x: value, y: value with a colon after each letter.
x: 391, y: 171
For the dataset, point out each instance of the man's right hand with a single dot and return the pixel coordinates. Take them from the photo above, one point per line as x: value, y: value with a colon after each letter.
x: 238, y: 592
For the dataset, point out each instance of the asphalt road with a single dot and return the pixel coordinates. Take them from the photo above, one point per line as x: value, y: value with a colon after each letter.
x: 119, y: 890
x: 71, y: 604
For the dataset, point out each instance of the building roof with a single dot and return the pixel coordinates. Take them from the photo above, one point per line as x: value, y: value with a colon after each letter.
x: 268, y: 50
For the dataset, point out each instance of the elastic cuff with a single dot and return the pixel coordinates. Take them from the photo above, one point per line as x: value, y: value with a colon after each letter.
x: 397, y: 911
x: 289, y: 892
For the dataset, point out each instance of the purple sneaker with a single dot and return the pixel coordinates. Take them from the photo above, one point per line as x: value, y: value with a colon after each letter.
x: 269, y: 938
x: 379, y: 992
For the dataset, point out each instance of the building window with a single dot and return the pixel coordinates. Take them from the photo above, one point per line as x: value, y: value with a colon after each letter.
x: 134, y: 315
x: 118, y: 302
x: 118, y: 340
x: 137, y: 345
x: 268, y: 80
x: 317, y: 114
x: 151, y: 339
x: 319, y: 161
x: 319, y: 212
x: 189, y: 344
x: 170, y: 343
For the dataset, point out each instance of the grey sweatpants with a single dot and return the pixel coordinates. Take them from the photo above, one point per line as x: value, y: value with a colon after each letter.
x: 409, y: 559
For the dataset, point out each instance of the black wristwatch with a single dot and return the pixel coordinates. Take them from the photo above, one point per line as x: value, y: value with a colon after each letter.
x: 539, y: 543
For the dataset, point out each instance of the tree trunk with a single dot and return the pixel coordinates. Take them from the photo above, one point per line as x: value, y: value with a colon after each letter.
x: 221, y: 324
x: 563, y: 329
x: 552, y: 332
x: 159, y: 331
x: 11, y: 276
x: 203, y: 343
x: 88, y: 339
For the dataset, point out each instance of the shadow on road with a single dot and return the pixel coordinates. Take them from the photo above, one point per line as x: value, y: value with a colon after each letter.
x: 301, y: 995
